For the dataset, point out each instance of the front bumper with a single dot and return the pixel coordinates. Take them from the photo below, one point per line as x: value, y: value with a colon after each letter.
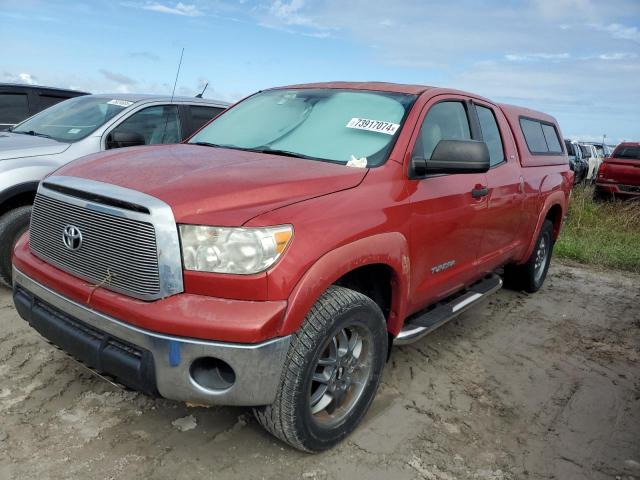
x: 150, y: 362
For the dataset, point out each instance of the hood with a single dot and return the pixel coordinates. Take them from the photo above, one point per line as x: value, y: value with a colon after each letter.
x: 15, y: 145
x: 215, y: 186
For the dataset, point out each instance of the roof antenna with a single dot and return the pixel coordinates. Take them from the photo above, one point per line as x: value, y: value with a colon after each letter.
x: 177, y: 74
x: 167, y: 113
x: 202, y: 92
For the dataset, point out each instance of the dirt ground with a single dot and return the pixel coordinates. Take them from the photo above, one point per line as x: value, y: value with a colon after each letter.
x: 541, y: 386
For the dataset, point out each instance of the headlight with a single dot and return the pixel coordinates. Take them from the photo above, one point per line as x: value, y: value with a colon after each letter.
x: 232, y: 250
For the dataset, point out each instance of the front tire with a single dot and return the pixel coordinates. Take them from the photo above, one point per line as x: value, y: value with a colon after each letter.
x: 12, y: 225
x: 531, y: 275
x: 331, y: 374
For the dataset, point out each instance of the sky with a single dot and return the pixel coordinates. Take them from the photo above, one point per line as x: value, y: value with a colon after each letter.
x: 578, y: 60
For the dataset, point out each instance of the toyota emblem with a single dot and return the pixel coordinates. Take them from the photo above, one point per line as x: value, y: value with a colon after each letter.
x: 72, y: 237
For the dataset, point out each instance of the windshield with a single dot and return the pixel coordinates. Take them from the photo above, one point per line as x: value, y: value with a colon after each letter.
x: 72, y: 119
x: 324, y: 124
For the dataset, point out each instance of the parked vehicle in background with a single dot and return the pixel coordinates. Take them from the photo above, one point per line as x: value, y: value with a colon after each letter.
x: 273, y: 259
x: 77, y: 127
x: 603, y: 149
x: 18, y: 102
x: 619, y: 175
x: 578, y: 165
x: 593, y: 159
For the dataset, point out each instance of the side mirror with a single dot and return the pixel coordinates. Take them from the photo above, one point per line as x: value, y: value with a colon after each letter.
x: 123, y: 138
x: 459, y: 156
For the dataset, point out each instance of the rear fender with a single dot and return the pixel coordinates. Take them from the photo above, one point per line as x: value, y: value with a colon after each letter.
x: 389, y: 249
x: 554, y: 191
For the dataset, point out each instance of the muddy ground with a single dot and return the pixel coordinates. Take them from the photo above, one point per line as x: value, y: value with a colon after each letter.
x: 523, y: 387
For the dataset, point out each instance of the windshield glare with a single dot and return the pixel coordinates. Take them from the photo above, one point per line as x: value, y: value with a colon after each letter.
x: 73, y: 119
x: 324, y: 124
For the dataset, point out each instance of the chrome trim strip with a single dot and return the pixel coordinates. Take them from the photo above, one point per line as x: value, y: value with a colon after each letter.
x: 161, y: 217
x: 258, y: 367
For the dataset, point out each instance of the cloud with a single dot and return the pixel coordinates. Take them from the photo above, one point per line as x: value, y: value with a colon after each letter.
x: 145, y: 55
x: 619, y: 31
x: 186, y: 10
x: 118, y: 78
x: 618, y: 56
x: 25, y: 78
x: 536, y: 56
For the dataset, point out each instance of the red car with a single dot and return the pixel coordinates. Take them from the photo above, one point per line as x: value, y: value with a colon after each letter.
x: 273, y: 259
x: 619, y: 175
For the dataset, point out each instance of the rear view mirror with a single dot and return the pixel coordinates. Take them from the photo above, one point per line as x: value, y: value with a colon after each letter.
x: 123, y: 138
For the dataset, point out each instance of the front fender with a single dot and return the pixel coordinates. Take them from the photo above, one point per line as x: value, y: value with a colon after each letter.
x: 389, y: 249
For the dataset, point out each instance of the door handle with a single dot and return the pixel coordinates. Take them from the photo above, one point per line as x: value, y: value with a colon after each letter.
x: 479, y: 192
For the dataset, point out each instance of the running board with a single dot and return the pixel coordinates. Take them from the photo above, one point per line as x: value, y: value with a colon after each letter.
x: 421, y: 324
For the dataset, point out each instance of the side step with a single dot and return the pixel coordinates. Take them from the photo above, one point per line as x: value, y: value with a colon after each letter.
x: 426, y: 322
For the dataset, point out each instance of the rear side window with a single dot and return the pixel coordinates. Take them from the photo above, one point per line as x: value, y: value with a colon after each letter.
x: 541, y: 137
x: 491, y: 134
x: 551, y: 137
x: 14, y: 107
x: 632, y: 153
x: 201, y: 115
x: 445, y: 121
x: 570, y: 148
x: 47, y: 101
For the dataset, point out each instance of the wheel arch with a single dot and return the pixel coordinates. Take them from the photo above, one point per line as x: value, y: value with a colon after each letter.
x: 17, y: 195
x: 377, y: 266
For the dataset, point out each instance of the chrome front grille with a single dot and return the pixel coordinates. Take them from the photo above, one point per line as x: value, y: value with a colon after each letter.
x: 117, y: 253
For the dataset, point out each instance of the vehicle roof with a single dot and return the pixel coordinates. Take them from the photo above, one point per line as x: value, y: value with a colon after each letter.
x: 381, y: 86
x: 516, y: 111
x: 629, y: 144
x: 40, y: 87
x: 142, y: 97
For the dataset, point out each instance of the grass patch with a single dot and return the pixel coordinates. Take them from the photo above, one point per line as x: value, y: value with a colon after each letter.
x: 601, y: 233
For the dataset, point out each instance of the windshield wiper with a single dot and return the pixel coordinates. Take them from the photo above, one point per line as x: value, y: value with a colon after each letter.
x: 284, y: 153
x: 32, y: 133
x: 207, y: 144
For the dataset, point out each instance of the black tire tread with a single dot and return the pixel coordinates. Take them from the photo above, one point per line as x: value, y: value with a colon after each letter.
x: 521, y: 277
x: 11, y: 225
x: 278, y: 418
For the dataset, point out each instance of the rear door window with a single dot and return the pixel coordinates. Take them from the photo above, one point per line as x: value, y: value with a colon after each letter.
x: 159, y: 124
x: 198, y: 116
x: 444, y: 121
x: 491, y: 134
x: 14, y: 107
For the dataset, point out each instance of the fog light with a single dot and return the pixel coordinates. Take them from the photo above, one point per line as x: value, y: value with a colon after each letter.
x: 212, y: 373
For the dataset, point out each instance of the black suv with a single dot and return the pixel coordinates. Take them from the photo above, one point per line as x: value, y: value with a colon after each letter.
x: 18, y: 102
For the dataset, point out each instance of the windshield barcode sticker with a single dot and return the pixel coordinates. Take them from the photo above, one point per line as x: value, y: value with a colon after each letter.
x: 373, y: 125
x: 120, y: 103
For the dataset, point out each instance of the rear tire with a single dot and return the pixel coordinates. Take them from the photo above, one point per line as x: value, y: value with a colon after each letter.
x: 313, y: 375
x: 12, y: 225
x: 531, y: 275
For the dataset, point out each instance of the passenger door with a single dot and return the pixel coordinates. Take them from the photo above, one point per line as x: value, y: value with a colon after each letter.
x: 502, y: 219
x: 159, y: 124
x: 445, y: 227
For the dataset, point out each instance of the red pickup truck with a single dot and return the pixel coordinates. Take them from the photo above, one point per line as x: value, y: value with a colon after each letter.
x: 619, y: 174
x: 273, y: 259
